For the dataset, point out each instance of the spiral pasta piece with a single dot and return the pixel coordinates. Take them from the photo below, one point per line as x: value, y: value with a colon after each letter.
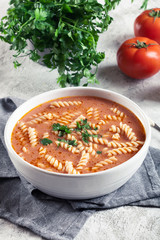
x: 93, y: 145
x: 125, y: 144
x: 80, y: 146
x: 93, y: 131
x: 59, y: 104
x: 105, y: 150
x: 46, y: 135
x: 98, y: 140
x: 118, y: 112
x: 69, y: 115
x: 70, y: 169
x: 104, y: 162
x: 42, y: 151
x: 23, y: 141
x: 112, y: 117
x: 54, y: 162
x: 114, y: 144
x: 91, y: 151
x: 64, y: 121
x: 90, y: 113
x: 114, y: 129
x: 102, y: 122
x: 21, y: 138
x: 122, y: 150
x: 44, y: 117
x: 116, y: 136
x: 37, y: 114
x: 83, y: 160
x: 71, y: 137
x: 23, y: 128
x: 128, y: 131
x: 33, y: 136
x: 78, y: 119
x: 24, y: 149
x: 68, y: 147
x: 130, y: 144
x: 96, y: 114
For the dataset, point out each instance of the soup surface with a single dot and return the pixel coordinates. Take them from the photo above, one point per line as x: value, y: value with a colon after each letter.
x: 78, y: 134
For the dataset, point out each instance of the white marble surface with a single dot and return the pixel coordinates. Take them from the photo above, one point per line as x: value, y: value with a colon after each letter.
x: 30, y: 79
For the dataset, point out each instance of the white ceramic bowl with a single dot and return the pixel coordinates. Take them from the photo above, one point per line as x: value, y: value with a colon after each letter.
x: 82, y: 186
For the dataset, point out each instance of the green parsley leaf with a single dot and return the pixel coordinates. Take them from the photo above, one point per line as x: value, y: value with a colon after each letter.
x: 85, y: 136
x: 16, y: 64
x: 99, y: 152
x: 45, y: 141
x: 62, y: 128
x: 70, y: 142
x: 95, y: 135
x: 84, y: 121
x: 61, y: 140
x: 79, y: 127
x: 61, y: 134
x: 82, y: 125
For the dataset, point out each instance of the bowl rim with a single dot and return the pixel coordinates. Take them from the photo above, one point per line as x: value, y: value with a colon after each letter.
x: 41, y: 95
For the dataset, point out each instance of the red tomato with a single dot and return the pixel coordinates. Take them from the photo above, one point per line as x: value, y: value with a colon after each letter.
x: 139, y: 57
x: 147, y: 24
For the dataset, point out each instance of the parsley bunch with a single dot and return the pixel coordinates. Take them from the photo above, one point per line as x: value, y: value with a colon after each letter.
x: 69, y: 29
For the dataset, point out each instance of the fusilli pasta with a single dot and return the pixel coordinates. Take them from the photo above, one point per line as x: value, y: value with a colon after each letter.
x: 74, y: 123
x: 103, y: 163
x: 54, y: 162
x: 23, y: 128
x: 114, y: 129
x: 83, y: 160
x: 42, y: 151
x: 59, y: 104
x: 90, y: 113
x: 112, y: 117
x: 70, y: 169
x: 98, y: 140
x: 118, y: 112
x: 32, y: 136
x: 128, y: 131
x: 68, y: 147
x: 122, y: 150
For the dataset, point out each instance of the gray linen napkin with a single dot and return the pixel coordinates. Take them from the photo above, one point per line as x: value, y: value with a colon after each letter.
x: 59, y: 219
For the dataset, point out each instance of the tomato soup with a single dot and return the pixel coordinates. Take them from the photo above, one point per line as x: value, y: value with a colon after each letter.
x: 78, y: 135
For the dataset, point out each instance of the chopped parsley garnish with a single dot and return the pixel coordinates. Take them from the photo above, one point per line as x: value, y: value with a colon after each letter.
x: 72, y: 142
x: 62, y: 140
x: 85, y: 124
x: 85, y: 136
x: 45, y: 141
x: 95, y: 135
x: 69, y: 142
x: 78, y: 128
x: 81, y: 126
x: 61, y: 128
x: 99, y: 152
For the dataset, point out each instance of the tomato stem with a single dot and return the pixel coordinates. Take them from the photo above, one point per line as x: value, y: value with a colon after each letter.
x: 155, y: 14
x: 139, y: 44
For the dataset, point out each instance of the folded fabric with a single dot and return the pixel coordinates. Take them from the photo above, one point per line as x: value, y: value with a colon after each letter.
x: 60, y: 219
